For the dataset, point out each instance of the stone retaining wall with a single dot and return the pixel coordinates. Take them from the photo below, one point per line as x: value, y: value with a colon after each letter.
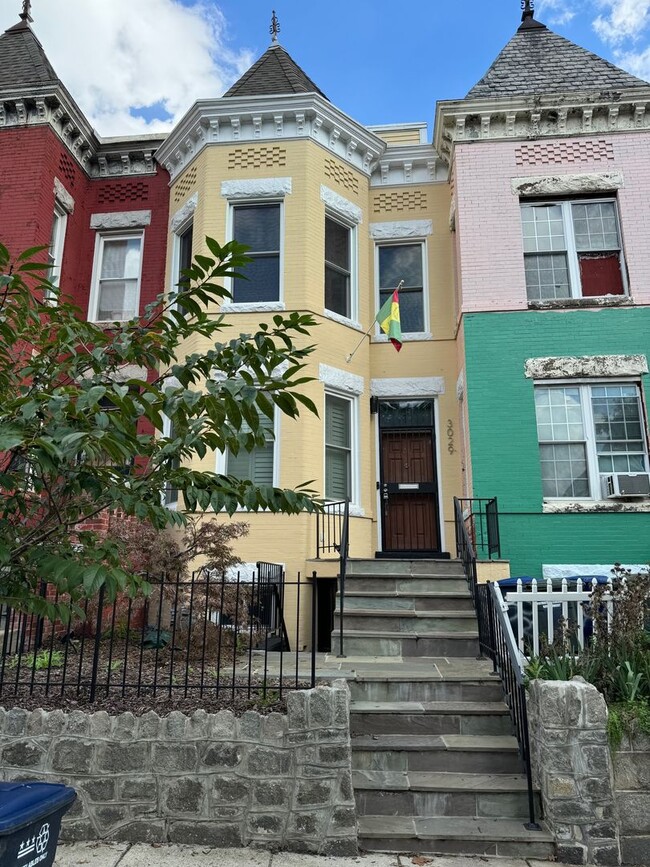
x: 281, y: 782
x: 572, y: 766
x: 632, y: 782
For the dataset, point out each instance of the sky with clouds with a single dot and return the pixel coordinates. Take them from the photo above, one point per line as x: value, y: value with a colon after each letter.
x: 136, y: 66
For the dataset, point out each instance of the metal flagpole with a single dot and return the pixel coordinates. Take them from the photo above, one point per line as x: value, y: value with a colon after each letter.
x: 349, y: 357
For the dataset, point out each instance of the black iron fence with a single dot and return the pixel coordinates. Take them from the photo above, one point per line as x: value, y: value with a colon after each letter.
x: 481, y: 518
x: 329, y: 528
x: 506, y: 660
x: 205, y: 636
x: 466, y: 553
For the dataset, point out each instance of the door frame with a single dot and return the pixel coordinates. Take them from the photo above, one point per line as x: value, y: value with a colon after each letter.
x: 437, y: 456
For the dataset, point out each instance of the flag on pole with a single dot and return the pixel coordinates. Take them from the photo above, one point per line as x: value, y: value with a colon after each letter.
x: 389, y: 321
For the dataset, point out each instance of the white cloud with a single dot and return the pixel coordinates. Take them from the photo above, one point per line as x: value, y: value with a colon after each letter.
x: 556, y: 12
x: 119, y: 56
x: 638, y: 63
x: 622, y: 20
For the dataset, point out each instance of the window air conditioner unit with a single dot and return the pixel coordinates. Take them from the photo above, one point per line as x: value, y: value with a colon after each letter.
x: 625, y: 485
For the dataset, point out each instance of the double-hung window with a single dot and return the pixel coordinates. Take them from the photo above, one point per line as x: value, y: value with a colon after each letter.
x: 182, y: 257
x: 572, y: 249
x: 338, y: 447
x: 257, y: 465
x: 258, y: 226
x: 338, y: 267
x: 403, y: 262
x: 116, y: 283
x: 586, y: 432
x: 55, y: 248
x: 170, y: 494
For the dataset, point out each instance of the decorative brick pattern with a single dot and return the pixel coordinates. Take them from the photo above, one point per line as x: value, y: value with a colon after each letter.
x: 132, y: 191
x: 68, y: 168
x: 263, y: 157
x: 185, y: 185
x: 342, y: 176
x: 564, y: 153
x: 276, y: 781
x: 406, y: 200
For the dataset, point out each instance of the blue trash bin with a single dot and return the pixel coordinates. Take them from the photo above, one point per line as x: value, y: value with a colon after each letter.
x: 30, y: 821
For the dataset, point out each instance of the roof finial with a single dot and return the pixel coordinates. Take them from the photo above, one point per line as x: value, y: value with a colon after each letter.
x: 528, y: 11
x: 26, y: 14
x: 274, y: 29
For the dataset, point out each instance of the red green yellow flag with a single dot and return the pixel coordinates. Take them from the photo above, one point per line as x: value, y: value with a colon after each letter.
x: 389, y: 321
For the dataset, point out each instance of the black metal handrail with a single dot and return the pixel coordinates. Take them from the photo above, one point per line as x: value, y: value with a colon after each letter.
x: 507, y: 664
x: 481, y: 517
x: 329, y: 528
x: 343, y: 568
x: 467, y: 555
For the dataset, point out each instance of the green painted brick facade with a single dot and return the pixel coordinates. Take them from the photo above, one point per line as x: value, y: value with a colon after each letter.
x: 503, y: 433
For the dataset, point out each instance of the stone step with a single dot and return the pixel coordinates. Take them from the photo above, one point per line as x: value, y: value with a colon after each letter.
x: 391, y: 793
x: 449, y: 835
x: 478, y: 754
x: 380, y: 643
x: 430, y: 622
x: 405, y: 567
x: 425, y: 689
x: 430, y: 718
x: 434, y: 601
x: 404, y: 585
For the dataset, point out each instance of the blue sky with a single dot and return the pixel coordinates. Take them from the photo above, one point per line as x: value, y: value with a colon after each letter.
x: 137, y: 65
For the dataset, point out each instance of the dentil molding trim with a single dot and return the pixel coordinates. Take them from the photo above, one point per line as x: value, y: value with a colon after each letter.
x: 259, y: 188
x: 560, y: 185
x: 344, y: 208
x: 424, y: 386
x: 183, y: 214
x: 341, y: 380
x: 121, y: 220
x: 401, y: 229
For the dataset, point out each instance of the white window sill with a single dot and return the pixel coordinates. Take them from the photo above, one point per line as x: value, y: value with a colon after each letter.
x: 342, y: 320
x: 560, y: 507
x: 410, y: 337
x: 254, y: 307
x: 578, y: 303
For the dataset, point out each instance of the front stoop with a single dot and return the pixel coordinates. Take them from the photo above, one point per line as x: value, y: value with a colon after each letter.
x: 436, y: 768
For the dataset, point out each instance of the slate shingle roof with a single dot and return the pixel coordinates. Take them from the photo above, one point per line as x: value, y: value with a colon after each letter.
x: 537, y: 61
x: 274, y: 73
x: 22, y: 60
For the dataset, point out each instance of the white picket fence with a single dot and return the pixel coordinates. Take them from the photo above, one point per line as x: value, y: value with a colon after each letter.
x: 535, y: 610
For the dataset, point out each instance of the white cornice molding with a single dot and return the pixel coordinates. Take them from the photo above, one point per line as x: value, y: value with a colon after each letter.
x: 51, y: 105
x: 257, y: 188
x: 423, y: 386
x: 184, y: 213
x: 538, y: 117
x: 340, y: 380
x: 401, y: 229
x: 250, y: 119
x: 409, y: 164
x: 341, y: 206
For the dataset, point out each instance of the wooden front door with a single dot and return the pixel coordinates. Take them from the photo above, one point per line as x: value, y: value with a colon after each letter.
x: 408, y: 491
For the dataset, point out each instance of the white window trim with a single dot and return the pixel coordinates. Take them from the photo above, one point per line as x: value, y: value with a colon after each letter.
x: 93, y: 301
x: 229, y: 306
x: 221, y: 462
x: 573, y: 264
x: 593, y: 470
x: 355, y: 486
x: 353, y: 319
x: 166, y: 432
x: 379, y: 336
x: 60, y: 215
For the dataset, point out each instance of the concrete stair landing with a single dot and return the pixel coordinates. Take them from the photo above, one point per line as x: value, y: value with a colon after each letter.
x: 436, y: 768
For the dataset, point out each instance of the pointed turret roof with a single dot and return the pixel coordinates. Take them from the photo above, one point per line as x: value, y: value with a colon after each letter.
x: 276, y: 72
x: 539, y: 61
x: 23, y: 62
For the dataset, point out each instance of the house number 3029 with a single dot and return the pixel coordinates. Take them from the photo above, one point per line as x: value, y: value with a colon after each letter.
x: 450, y: 437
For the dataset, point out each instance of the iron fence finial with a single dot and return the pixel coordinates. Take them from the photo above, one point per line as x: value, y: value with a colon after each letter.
x: 528, y: 10
x: 26, y: 14
x: 274, y: 29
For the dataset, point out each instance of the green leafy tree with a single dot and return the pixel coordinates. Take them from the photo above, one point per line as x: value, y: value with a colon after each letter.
x: 82, y: 422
